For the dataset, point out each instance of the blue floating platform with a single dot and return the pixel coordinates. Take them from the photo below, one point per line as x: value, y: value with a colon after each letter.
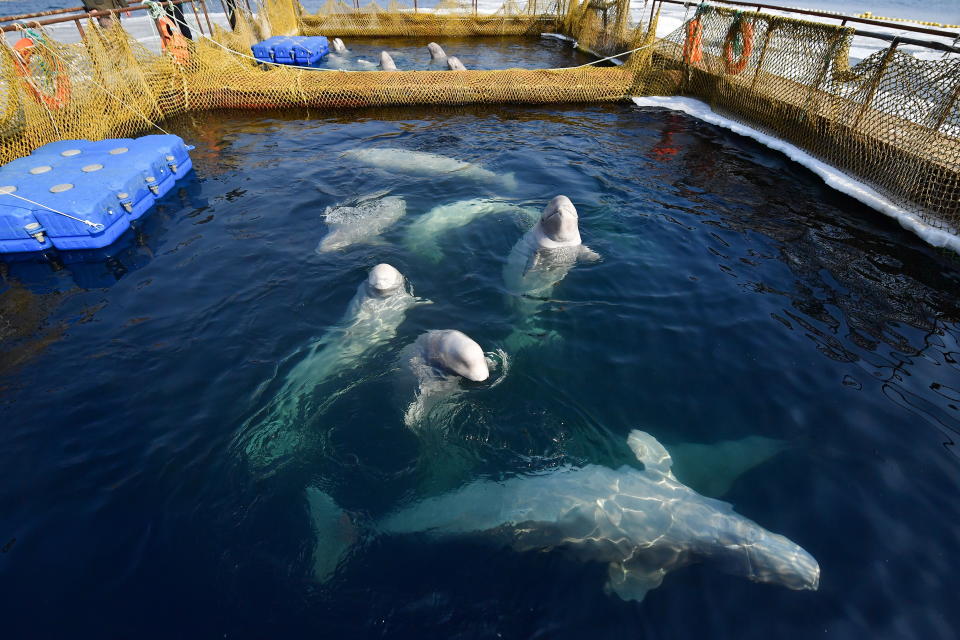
x: 78, y: 194
x: 300, y: 50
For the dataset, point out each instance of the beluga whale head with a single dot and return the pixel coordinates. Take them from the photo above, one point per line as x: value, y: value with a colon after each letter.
x: 384, y: 280
x: 558, y: 225
x: 436, y: 51
x: 457, y: 353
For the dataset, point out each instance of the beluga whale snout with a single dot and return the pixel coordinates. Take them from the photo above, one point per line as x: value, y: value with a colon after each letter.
x: 338, y: 46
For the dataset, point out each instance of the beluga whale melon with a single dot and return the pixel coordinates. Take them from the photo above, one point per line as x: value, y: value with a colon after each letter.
x: 376, y: 311
x: 420, y: 163
x: 641, y: 523
x: 540, y: 260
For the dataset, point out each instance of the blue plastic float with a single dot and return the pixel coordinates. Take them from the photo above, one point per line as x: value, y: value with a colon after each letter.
x: 78, y: 194
x: 300, y: 50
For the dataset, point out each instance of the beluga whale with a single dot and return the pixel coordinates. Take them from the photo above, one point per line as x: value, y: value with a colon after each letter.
x: 454, y: 64
x: 379, y: 305
x: 361, y: 220
x: 540, y: 260
x: 422, y: 236
x: 337, y: 45
x: 386, y: 62
x: 437, y: 53
x: 641, y: 523
x: 439, y: 361
x: 420, y: 163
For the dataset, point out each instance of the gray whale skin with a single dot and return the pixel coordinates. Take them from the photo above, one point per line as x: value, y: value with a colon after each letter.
x: 641, y: 523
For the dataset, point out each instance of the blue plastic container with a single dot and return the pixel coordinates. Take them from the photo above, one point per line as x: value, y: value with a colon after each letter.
x: 95, y: 188
x: 299, y: 50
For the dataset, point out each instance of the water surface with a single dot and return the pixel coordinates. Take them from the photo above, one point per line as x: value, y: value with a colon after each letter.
x: 736, y: 296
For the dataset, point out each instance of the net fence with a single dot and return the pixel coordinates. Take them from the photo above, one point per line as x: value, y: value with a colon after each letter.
x: 892, y: 121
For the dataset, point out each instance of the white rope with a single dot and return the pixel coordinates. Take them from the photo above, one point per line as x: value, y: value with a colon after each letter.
x: 619, y: 55
x: 96, y: 225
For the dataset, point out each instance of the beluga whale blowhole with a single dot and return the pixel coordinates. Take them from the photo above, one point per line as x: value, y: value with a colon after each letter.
x: 641, y: 523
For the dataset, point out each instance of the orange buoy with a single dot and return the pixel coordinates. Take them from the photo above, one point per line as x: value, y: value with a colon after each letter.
x: 693, y: 43
x: 741, y: 29
x: 172, y: 40
x: 24, y: 48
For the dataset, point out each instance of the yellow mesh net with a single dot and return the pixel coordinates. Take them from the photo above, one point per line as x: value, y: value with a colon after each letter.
x: 892, y: 121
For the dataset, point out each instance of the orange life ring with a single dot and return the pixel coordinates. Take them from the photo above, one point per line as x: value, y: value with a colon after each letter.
x: 61, y: 81
x: 693, y: 44
x: 744, y: 29
x: 172, y: 40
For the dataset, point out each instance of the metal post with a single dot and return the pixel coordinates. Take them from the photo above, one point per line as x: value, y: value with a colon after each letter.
x: 763, y: 53
x: 196, y: 16
x: 206, y: 15
x: 83, y: 35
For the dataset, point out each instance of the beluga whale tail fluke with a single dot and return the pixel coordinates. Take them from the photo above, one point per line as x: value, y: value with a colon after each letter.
x: 641, y: 523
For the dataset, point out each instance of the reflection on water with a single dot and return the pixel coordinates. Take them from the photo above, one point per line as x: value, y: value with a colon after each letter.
x: 738, y: 301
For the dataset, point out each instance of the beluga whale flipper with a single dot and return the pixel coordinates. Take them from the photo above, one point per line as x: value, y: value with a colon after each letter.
x: 360, y: 221
x: 642, y: 524
x: 438, y: 361
x: 420, y: 163
x: 379, y: 306
x: 422, y: 236
x: 540, y: 260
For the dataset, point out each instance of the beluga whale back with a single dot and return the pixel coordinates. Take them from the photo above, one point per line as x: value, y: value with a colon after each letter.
x: 360, y: 221
x: 420, y: 163
x: 641, y: 523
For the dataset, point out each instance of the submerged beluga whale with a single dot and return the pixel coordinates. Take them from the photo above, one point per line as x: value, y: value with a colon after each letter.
x: 376, y: 311
x: 541, y: 259
x: 360, y: 221
x: 642, y: 523
x: 420, y: 163
x: 423, y: 235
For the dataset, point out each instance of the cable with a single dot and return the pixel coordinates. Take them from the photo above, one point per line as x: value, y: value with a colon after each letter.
x: 96, y: 225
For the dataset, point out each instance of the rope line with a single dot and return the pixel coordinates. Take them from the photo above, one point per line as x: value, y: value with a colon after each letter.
x: 96, y: 225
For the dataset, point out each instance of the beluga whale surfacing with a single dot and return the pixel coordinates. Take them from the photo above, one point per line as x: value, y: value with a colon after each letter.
x: 360, y: 221
x: 376, y: 311
x: 641, y: 523
x: 540, y: 260
x: 438, y: 361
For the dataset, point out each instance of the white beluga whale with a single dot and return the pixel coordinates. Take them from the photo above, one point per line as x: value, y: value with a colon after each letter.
x: 386, y: 62
x: 360, y: 221
x: 436, y: 52
x: 439, y: 360
x: 420, y: 163
x: 642, y: 524
x: 379, y: 306
x: 422, y: 236
x: 337, y: 45
x: 540, y: 260
x: 454, y: 64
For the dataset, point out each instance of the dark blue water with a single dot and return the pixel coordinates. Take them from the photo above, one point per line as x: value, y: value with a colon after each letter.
x: 736, y: 296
